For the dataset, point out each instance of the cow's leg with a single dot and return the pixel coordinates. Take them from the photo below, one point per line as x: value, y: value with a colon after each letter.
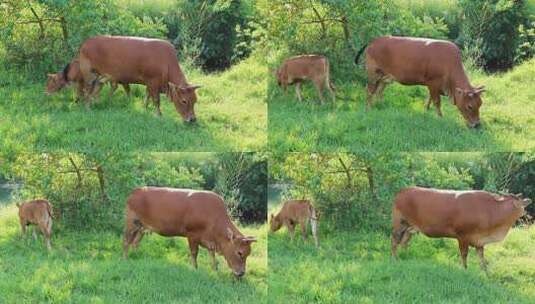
x: 138, y: 237
x: 482, y: 261
x: 303, y: 224
x: 46, y: 234
x: 291, y: 229
x: 398, y: 230
x: 298, y: 91
x: 463, y: 248
x: 133, y: 226
x: 434, y: 95
x: 381, y: 85
x: 406, y: 238
x: 126, y: 88
x: 79, y: 91
x: 23, y: 228
x: 113, y: 88
x: 330, y: 88
x: 155, y: 95
x: 194, y: 250
x: 373, y: 82
x: 213, y: 258
x: 34, y: 234
x: 319, y: 89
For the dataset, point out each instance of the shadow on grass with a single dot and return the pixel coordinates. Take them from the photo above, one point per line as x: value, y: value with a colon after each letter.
x: 399, y: 123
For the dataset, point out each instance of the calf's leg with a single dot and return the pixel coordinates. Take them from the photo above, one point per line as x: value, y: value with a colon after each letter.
x: 213, y: 258
x: 44, y: 230
x: 291, y: 229
x: 319, y: 88
x: 298, y: 91
x: 303, y: 225
x: 434, y: 95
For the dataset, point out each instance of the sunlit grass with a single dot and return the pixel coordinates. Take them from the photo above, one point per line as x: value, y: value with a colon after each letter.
x: 87, y: 267
x: 231, y: 113
x: 401, y: 123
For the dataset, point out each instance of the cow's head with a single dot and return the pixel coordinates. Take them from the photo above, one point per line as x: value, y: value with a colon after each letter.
x: 275, y: 223
x: 184, y: 99
x: 468, y: 101
x: 55, y: 82
x: 518, y: 203
x: 236, y: 251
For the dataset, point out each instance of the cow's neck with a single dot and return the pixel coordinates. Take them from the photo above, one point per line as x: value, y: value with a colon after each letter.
x: 458, y: 79
x: 177, y: 77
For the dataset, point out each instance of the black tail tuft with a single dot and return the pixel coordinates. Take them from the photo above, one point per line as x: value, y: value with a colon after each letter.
x: 360, y: 53
x: 66, y: 71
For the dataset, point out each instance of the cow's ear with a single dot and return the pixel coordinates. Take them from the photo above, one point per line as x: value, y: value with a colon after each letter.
x: 479, y: 90
x: 17, y: 204
x: 271, y: 216
x: 249, y: 239
x: 50, y: 75
x: 526, y: 202
x: 189, y: 88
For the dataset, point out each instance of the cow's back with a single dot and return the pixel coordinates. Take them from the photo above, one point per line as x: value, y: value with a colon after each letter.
x: 296, y: 209
x: 129, y: 59
x: 35, y: 210
x: 171, y: 211
x: 414, y: 60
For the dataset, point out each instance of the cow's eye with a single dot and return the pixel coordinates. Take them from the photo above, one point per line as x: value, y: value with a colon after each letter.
x: 184, y: 101
x: 240, y: 254
x: 470, y: 107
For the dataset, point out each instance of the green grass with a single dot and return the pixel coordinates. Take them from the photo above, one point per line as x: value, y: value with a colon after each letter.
x: 356, y: 267
x: 231, y: 114
x: 401, y: 123
x: 87, y: 267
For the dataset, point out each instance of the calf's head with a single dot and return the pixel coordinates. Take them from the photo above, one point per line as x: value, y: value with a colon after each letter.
x: 468, y: 101
x: 55, y: 82
x: 184, y: 99
x: 275, y: 223
x: 236, y: 250
x: 516, y: 201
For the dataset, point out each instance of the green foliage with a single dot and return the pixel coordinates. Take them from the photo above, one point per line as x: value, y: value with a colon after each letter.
x: 359, y: 188
x: 490, y: 31
x: 89, y: 191
x: 87, y: 267
x: 43, y: 35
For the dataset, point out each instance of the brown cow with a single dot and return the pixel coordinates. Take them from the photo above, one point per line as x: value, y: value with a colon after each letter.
x: 474, y: 218
x: 295, y: 212
x: 297, y: 69
x: 416, y: 61
x: 37, y: 212
x: 71, y: 75
x: 152, y: 62
x: 200, y: 216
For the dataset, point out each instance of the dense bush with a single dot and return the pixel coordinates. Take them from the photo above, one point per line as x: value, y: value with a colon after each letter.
x: 45, y: 35
x: 490, y: 31
x: 358, y: 189
x: 89, y: 191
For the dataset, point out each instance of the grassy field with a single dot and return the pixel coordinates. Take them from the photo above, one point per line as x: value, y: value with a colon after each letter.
x: 231, y: 114
x: 355, y: 267
x: 87, y: 267
x: 401, y: 122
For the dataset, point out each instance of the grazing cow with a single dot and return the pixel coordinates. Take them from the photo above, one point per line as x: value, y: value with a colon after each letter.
x: 71, y: 74
x: 295, y: 212
x: 37, y: 212
x: 416, y: 61
x: 200, y: 216
x: 152, y: 62
x: 297, y: 69
x: 474, y: 218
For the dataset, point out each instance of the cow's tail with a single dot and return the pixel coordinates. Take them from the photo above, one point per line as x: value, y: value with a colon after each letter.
x: 359, y: 53
x: 314, y: 224
x: 65, y: 72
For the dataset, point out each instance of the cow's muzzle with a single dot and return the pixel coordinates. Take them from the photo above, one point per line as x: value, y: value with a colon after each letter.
x: 191, y: 119
x: 239, y: 274
x: 475, y: 125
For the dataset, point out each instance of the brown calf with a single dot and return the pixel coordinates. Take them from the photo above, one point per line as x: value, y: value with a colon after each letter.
x: 297, y: 69
x: 295, y: 212
x: 37, y: 212
x: 474, y: 218
x: 71, y: 75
